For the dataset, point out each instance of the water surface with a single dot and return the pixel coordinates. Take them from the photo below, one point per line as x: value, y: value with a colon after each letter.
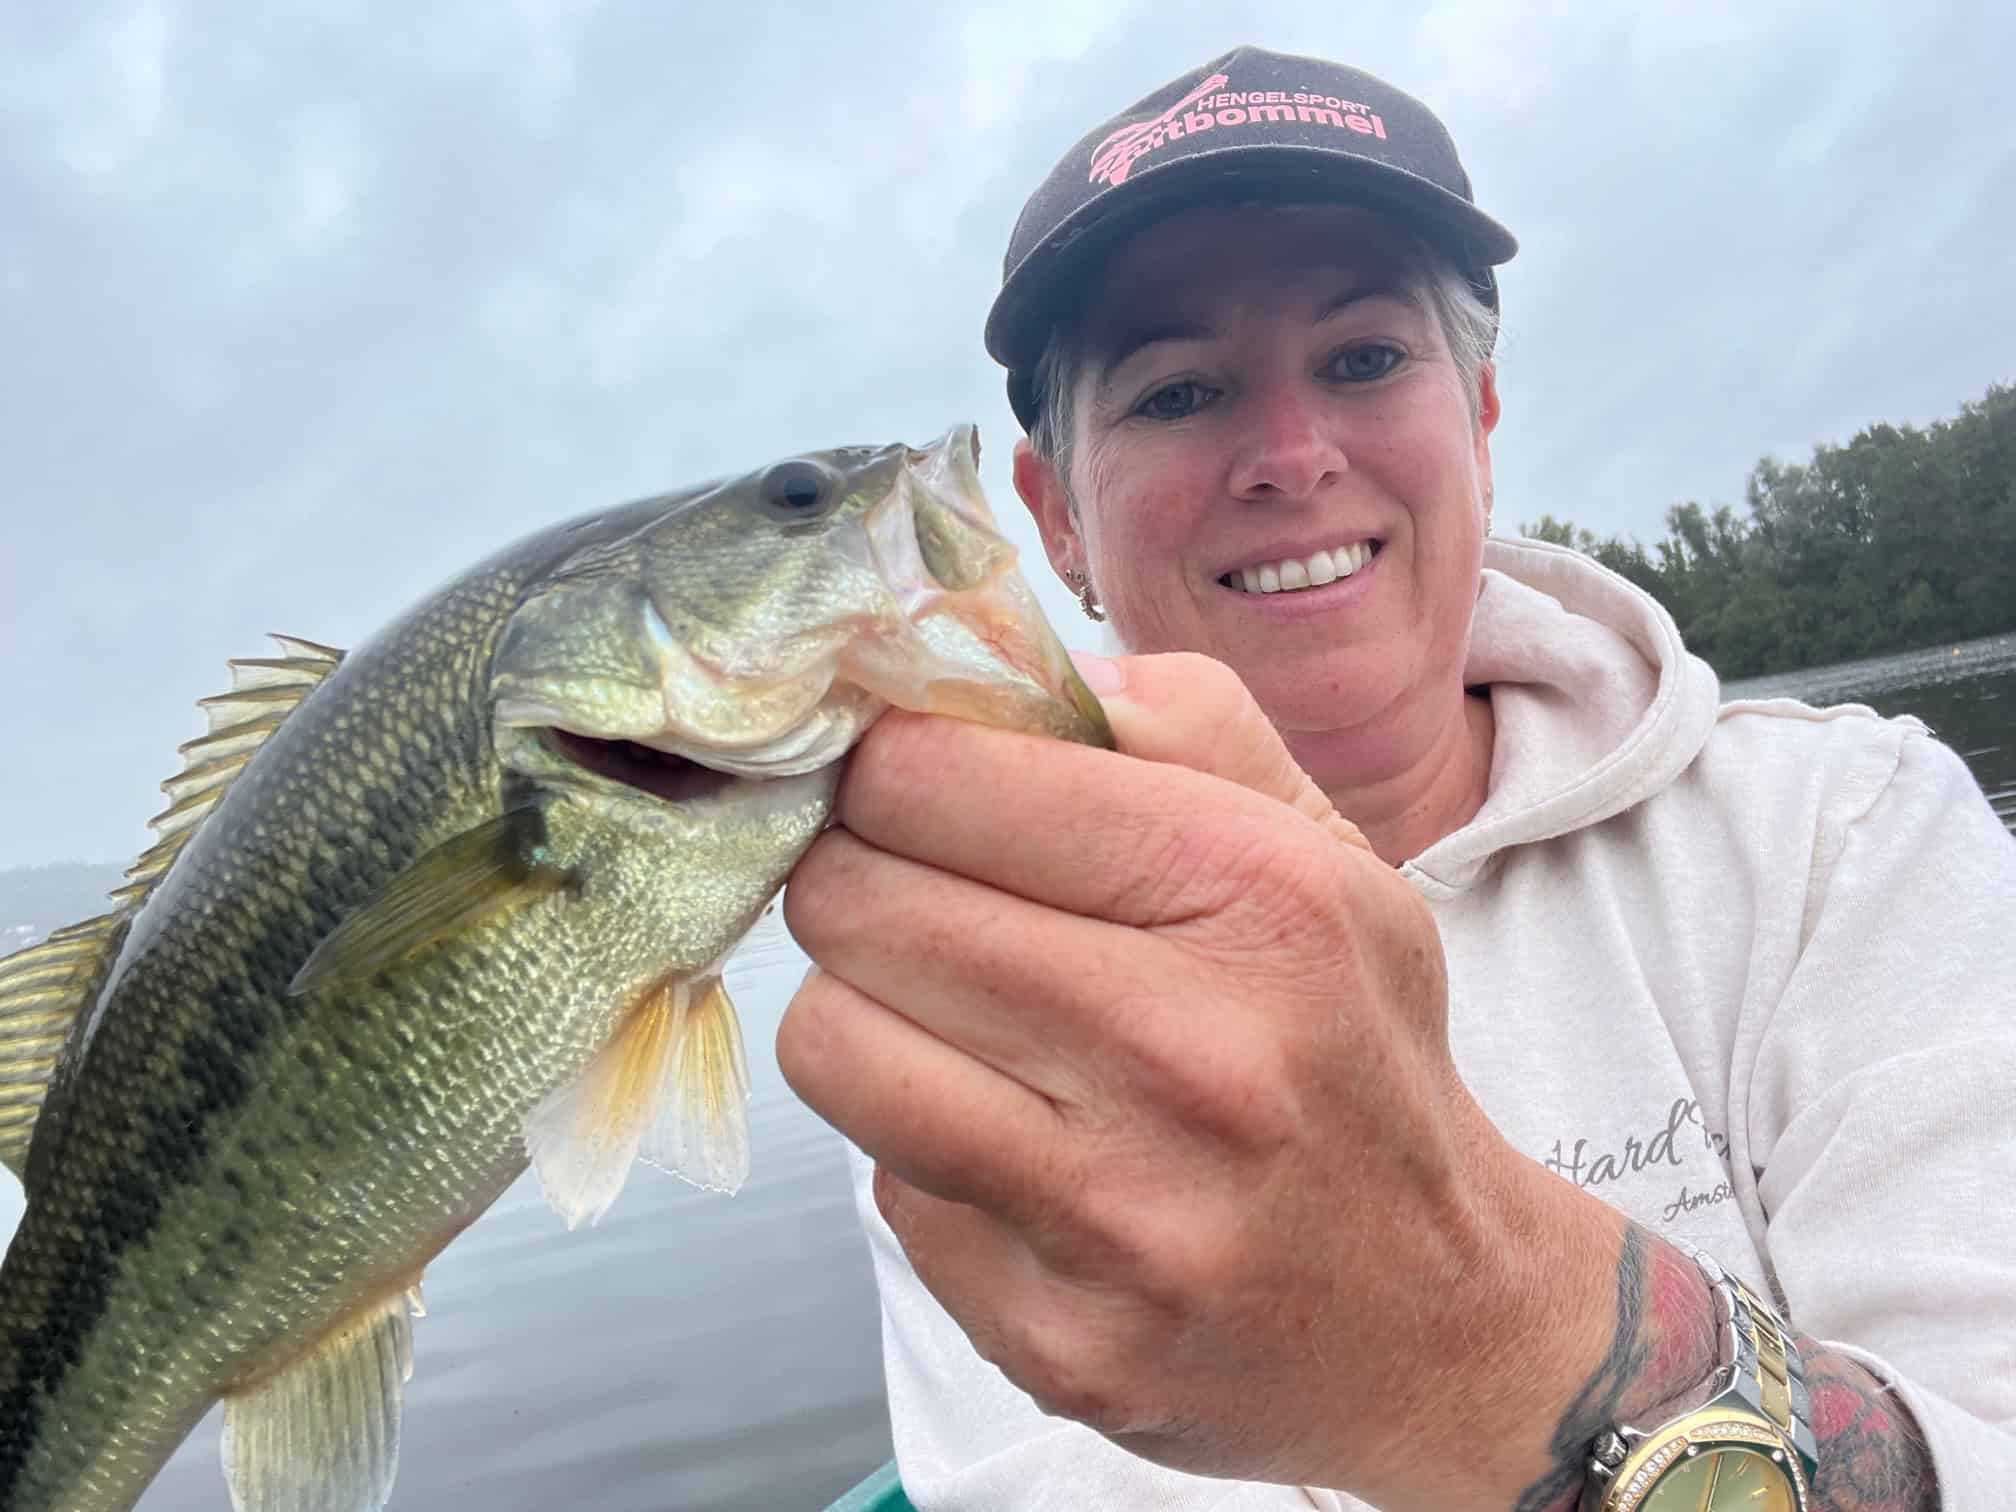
x: 1966, y: 693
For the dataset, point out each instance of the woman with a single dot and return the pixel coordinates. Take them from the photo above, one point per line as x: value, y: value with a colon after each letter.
x: 1319, y: 1101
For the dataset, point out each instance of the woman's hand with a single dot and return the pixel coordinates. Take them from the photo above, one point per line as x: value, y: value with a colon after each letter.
x: 1150, y: 1051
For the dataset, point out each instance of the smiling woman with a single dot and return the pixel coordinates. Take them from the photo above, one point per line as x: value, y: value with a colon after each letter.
x: 1273, y: 355
x: 1210, y: 1092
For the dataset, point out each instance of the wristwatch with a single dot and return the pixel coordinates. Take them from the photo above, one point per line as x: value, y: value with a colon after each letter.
x: 1750, y: 1446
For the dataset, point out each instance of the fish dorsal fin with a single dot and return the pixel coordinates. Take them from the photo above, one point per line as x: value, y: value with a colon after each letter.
x: 264, y: 691
x: 42, y: 990
x: 322, y: 1435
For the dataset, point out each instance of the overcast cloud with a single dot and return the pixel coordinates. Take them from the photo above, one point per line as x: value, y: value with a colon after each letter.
x: 307, y: 307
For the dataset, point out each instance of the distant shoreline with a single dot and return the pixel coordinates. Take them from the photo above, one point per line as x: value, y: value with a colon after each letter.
x: 1942, y: 660
x: 1986, y: 653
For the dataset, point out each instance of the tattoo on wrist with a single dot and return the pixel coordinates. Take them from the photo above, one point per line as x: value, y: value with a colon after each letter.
x: 1873, y: 1456
x: 1595, y: 1406
x: 1662, y: 1348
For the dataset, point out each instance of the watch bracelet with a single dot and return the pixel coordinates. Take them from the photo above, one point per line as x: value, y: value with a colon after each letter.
x: 1764, y: 1366
x: 1760, y: 1364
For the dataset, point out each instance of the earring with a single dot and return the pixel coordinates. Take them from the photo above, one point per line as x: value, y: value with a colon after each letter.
x: 1487, y: 508
x: 1088, y: 596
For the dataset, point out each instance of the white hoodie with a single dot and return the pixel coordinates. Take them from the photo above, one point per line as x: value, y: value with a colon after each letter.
x: 1747, y: 972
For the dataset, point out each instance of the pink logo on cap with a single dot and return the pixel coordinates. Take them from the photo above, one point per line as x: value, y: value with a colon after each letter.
x: 1113, y: 157
x: 1210, y: 105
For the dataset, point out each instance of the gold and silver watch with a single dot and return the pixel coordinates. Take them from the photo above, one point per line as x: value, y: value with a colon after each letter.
x: 1749, y: 1446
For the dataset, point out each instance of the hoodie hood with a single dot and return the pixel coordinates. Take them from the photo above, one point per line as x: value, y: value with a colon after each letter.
x: 1596, y: 702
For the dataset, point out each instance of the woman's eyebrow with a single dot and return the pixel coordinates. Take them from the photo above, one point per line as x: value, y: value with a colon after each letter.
x: 1387, y: 285
x: 1128, y: 342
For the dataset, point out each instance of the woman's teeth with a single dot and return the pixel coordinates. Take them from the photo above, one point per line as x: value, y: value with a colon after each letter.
x: 1302, y: 572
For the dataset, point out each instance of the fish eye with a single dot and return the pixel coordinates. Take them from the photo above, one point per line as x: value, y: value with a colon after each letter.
x: 797, y: 491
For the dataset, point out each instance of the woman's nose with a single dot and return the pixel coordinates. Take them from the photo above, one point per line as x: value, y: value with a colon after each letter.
x: 1288, y: 445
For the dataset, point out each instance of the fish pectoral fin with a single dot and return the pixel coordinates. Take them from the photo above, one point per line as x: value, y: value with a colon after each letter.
x: 43, y: 989
x: 323, y: 1434
x: 486, y: 871
x: 672, y: 1086
x: 702, y: 1133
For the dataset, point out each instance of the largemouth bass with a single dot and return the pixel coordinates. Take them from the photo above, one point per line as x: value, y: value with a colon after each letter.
x: 452, y: 903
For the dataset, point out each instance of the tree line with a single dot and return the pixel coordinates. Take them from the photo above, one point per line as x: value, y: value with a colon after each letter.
x: 1904, y: 537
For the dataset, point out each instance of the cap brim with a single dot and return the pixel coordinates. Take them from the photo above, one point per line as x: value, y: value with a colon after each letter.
x: 1032, y: 296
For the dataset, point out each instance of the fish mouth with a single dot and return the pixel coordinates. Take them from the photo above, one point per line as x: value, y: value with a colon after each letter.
x: 973, y: 640
x: 904, y: 595
x: 659, y: 774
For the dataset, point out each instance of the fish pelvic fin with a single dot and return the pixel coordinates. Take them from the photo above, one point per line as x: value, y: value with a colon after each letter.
x: 490, y: 870
x: 43, y: 990
x: 264, y: 691
x: 672, y: 1086
x: 322, y: 1434
x: 702, y: 1133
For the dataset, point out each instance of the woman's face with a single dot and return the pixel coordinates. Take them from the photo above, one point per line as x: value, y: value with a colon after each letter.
x: 1265, y: 405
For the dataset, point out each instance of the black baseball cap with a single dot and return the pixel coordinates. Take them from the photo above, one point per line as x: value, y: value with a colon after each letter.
x: 1250, y: 123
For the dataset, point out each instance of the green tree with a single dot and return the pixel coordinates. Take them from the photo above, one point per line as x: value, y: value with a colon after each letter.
x: 1903, y: 537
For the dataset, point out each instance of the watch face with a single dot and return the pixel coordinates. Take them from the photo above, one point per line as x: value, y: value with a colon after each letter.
x: 1724, y: 1480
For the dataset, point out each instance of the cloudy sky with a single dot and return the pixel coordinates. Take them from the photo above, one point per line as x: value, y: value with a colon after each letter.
x: 308, y: 306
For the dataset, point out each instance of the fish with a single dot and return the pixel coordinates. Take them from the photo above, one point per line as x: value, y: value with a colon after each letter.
x: 447, y: 906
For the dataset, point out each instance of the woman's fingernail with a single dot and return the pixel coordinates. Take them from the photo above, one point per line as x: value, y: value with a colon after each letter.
x: 1102, y: 674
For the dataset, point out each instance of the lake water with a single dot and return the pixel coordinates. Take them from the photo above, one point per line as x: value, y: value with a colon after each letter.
x: 700, y: 1352
x: 1965, y: 692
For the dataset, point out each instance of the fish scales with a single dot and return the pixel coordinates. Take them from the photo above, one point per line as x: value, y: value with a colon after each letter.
x: 273, y: 1101
x: 233, y: 1080
x: 252, y: 1084
x: 225, y: 1170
